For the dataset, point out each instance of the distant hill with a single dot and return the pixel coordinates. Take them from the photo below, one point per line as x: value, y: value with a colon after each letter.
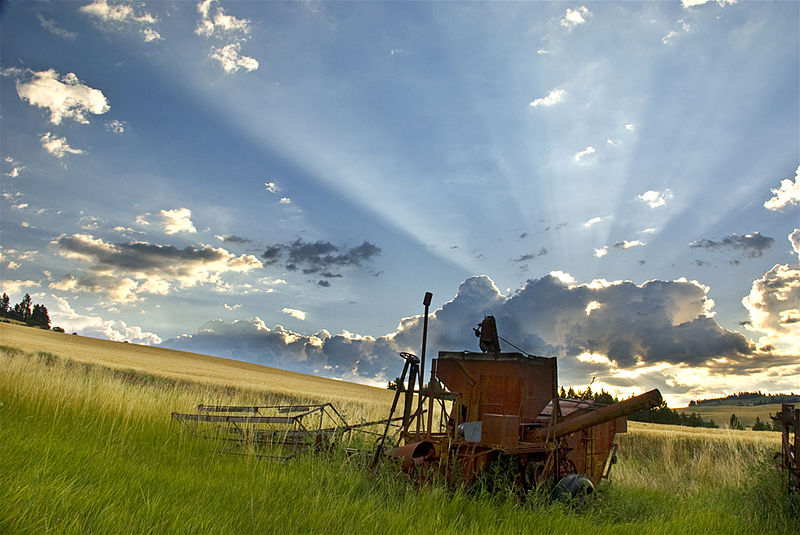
x: 747, y: 399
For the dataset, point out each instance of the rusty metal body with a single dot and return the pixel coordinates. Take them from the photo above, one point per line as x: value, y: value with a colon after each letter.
x: 789, y: 419
x: 503, y: 408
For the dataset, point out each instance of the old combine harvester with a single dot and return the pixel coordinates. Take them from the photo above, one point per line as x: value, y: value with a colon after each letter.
x: 480, y: 413
x: 491, y: 409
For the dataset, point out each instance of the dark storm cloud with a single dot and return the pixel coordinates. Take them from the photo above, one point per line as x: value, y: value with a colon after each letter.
x: 319, y: 257
x: 531, y: 256
x: 632, y: 325
x: 752, y: 245
x: 231, y: 238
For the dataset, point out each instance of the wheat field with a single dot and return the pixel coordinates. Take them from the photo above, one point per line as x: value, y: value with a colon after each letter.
x: 87, y: 446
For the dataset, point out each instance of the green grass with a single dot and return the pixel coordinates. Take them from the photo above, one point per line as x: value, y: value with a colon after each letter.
x: 87, y: 449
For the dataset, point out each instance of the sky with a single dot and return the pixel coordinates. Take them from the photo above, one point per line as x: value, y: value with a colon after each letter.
x: 618, y: 183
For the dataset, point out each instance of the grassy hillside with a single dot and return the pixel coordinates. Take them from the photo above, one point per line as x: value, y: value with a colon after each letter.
x: 721, y: 414
x: 86, y: 448
x: 189, y: 367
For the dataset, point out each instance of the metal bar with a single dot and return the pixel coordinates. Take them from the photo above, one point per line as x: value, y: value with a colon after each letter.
x: 234, y: 419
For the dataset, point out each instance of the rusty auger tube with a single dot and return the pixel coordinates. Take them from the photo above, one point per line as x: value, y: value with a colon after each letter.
x: 610, y: 412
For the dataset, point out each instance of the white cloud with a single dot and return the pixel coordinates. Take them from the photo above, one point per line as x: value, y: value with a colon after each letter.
x: 62, y: 314
x: 16, y: 167
x: 219, y: 22
x: 542, y: 51
x: 629, y: 127
x: 52, y: 27
x: 125, y: 270
x: 232, y: 307
x: 230, y: 31
x: 654, y: 198
x: 794, y: 239
x: 649, y: 230
x: 787, y: 194
x: 293, y: 312
x: 685, y: 28
x: 116, y: 127
x: 16, y: 287
x: 585, y: 152
x: 178, y: 220
x: 554, y: 97
x: 592, y: 221
x: 229, y: 56
x: 286, y: 200
x: 65, y: 96
x: 694, y: 3
x: 19, y: 206
x: 601, y: 252
x: 13, y: 265
x: 57, y: 146
x: 626, y: 244
x: 774, y: 307
x: 574, y: 17
x: 272, y: 187
x: 122, y: 15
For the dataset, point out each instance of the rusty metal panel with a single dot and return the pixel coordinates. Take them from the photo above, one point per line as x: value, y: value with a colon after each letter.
x: 500, y: 430
x: 461, y: 373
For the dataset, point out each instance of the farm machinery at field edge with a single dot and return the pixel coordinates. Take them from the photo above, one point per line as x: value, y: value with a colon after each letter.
x: 502, y: 409
x: 481, y: 413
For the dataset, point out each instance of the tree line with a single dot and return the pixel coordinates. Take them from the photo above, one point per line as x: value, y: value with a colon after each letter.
x: 29, y: 313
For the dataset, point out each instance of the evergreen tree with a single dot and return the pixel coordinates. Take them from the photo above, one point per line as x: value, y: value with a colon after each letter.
x: 734, y: 423
x: 22, y: 310
x: 4, y: 305
x: 40, y: 317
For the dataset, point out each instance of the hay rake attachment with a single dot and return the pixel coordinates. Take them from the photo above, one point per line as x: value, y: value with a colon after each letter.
x: 277, y: 432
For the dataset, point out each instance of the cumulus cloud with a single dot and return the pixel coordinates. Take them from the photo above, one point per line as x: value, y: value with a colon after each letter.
x: 654, y: 198
x: 620, y: 331
x: 231, y: 58
x: 232, y: 307
x: 57, y: 146
x: 601, y: 252
x: 62, y: 314
x: 574, y: 17
x: 554, y: 97
x: 752, y: 245
x: 16, y: 167
x: 343, y: 356
x: 794, y: 239
x: 116, y: 127
x: 286, y: 200
x: 774, y: 308
x: 293, y: 312
x: 272, y: 187
x: 228, y: 30
x: 53, y: 27
x: 64, y: 96
x: 787, y: 194
x: 17, y: 287
x: 585, y: 152
x: 122, y: 16
x: 125, y: 270
x: 178, y: 220
x: 320, y: 257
